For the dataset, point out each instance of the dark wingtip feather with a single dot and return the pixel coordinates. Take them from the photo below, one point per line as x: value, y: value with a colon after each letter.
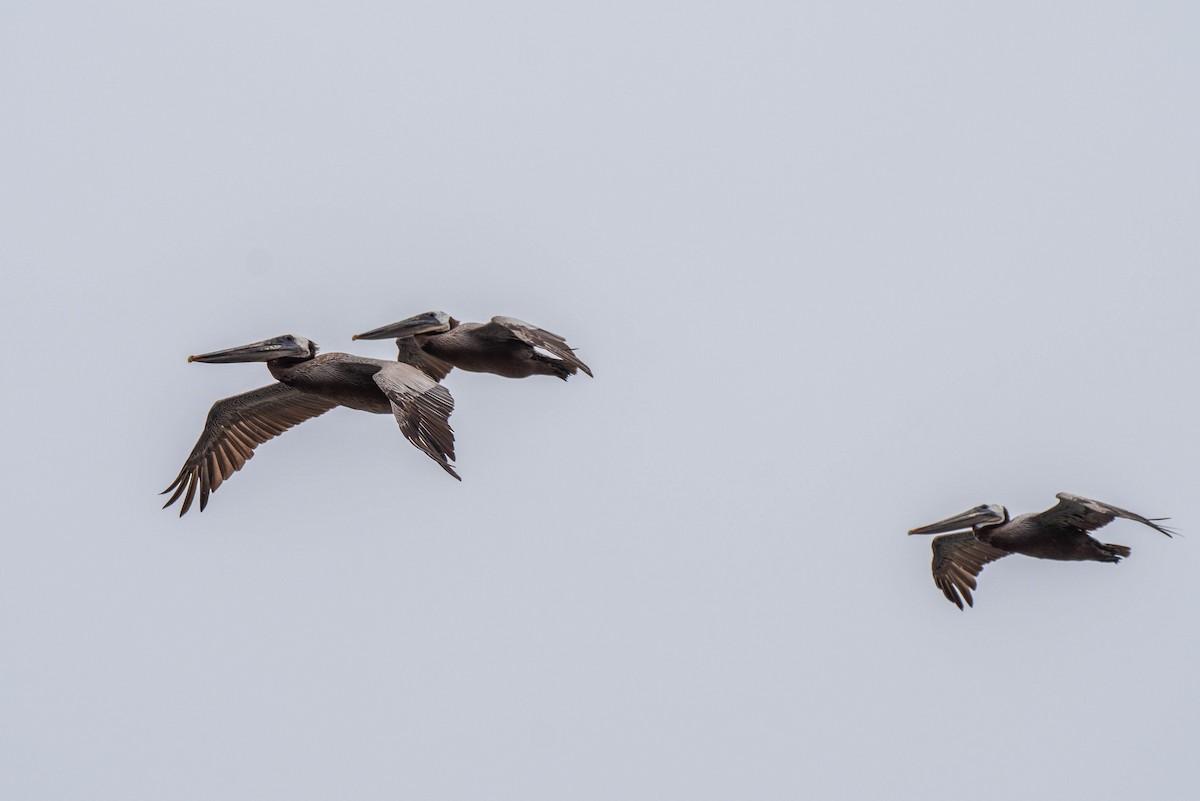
x: 179, y: 485
x: 1170, y: 531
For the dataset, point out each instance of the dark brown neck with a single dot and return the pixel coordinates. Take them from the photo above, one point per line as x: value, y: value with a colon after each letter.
x: 282, y: 367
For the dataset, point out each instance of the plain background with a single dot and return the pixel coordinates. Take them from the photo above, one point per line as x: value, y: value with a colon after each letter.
x: 841, y: 269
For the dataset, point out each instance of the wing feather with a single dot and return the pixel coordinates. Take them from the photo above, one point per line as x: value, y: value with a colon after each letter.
x: 235, y: 426
x: 541, y: 338
x: 957, y: 560
x: 1076, y: 513
x: 422, y: 408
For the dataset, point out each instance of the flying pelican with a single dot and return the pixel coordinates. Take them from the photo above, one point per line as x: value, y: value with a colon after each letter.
x: 309, y: 385
x: 437, y: 343
x: 1057, y: 533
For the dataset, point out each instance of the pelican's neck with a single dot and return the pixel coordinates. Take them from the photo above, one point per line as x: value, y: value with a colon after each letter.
x: 282, y: 368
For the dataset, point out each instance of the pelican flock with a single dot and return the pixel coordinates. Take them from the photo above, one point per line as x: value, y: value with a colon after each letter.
x: 432, y: 344
x: 309, y: 384
x: 1060, y: 532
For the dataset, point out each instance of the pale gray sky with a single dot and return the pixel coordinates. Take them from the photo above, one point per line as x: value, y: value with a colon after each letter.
x: 840, y: 269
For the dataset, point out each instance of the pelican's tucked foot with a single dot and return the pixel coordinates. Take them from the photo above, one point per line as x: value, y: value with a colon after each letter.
x: 555, y: 366
x: 1115, y: 552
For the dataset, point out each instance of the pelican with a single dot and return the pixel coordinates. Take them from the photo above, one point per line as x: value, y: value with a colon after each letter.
x: 309, y: 385
x: 1057, y: 533
x: 437, y: 343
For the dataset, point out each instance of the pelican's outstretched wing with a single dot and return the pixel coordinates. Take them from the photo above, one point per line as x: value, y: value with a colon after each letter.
x: 422, y: 408
x: 957, y: 560
x: 1074, y: 513
x: 541, y: 338
x: 235, y: 427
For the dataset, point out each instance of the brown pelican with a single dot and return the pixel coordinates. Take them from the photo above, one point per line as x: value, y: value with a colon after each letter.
x: 437, y: 343
x: 1057, y: 533
x: 309, y: 385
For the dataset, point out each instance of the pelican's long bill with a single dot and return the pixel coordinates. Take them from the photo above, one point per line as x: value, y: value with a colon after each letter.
x: 962, y: 522
x: 427, y: 323
x: 286, y: 346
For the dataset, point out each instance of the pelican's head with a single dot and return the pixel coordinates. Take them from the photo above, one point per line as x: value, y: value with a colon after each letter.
x: 432, y: 322
x: 287, y: 346
x: 988, y: 514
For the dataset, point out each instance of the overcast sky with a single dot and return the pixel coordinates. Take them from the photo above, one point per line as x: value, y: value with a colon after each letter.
x: 840, y: 269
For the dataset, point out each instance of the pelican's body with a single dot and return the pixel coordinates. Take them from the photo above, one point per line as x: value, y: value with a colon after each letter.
x: 310, y: 385
x: 343, y: 378
x: 1057, y: 533
x: 436, y: 343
